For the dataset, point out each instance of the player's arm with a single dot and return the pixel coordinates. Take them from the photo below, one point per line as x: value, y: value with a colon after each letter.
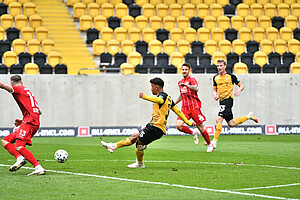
x: 8, y: 88
x: 152, y: 99
x: 238, y: 91
x: 192, y: 87
x: 215, y: 93
x: 179, y: 99
x: 181, y: 115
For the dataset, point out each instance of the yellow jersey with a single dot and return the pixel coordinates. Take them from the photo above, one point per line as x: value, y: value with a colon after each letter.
x: 225, y: 85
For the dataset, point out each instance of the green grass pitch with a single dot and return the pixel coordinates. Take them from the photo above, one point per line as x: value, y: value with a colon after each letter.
x: 242, y: 167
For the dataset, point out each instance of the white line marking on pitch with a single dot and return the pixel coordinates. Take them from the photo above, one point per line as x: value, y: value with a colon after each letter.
x: 160, y: 183
x: 274, y: 186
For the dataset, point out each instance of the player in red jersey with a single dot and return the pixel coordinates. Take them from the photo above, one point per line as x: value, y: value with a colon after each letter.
x: 28, y: 126
x: 191, y: 106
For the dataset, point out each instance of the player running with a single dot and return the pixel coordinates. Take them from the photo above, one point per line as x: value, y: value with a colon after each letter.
x: 223, y: 85
x: 154, y: 130
x: 28, y: 126
x: 191, y: 106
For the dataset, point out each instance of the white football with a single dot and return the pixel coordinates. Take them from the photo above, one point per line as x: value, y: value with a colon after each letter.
x: 61, y: 156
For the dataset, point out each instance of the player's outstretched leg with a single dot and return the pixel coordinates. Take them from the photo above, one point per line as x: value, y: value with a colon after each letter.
x: 39, y: 170
x: 252, y: 117
x: 196, y: 134
x: 21, y: 161
x: 111, y: 147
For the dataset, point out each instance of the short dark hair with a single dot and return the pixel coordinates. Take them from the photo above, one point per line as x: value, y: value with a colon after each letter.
x: 16, y: 78
x: 157, y: 81
x: 222, y: 61
x: 187, y: 65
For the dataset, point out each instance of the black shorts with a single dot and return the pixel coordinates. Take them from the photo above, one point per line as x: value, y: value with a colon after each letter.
x: 226, y: 109
x: 149, y: 134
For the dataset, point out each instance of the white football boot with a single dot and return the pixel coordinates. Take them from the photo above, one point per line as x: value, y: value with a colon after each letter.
x: 252, y: 117
x: 109, y: 146
x: 39, y: 170
x: 210, y: 148
x: 20, y: 162
x: 196, y: 139
x: 214, y: 144
x: 136, y: 165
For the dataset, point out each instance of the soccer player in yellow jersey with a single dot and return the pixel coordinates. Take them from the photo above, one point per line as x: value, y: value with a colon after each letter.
x: 154, y: 130
x: 222, y: 91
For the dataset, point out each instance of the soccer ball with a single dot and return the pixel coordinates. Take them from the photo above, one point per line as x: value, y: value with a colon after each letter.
x: 61, y: 156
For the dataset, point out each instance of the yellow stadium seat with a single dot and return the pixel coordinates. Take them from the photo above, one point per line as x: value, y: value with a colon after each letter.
x: 2, y: 33
x: 291, y: 22
x: 224, y: 46
x: 35, y: 21
x: 127, y: 46
x: 19, y: 46
x: 283, y: 10
x: 33, y: 46
x: 218, y: 56
x: 245, y: 34
x: 211, y: 46
x: 106, y: 34
x: 155, y: 2
x: 210, y: 22
x: 134, y: 34
x: 85, y: 22
x: 176, y: 58
x: 249, y: 2
x: 23, y: 1
x: 256, y: 10
x: 294, y: 46
x: 127, y: 68
x: 260, y: 58
x: 72, y: 2
x: 280, y: 46
x: 169, y: 2
x: 237, y: 22
x: 141, y: 22
x: 100, y: 2
x: 127, y: 22
x: 141, y: 2
x: 276, y: 2
x: 242, y: 10
x: 79, y: 9
x: 162, y: 10
x: 295, y: 9
x: 272, y: 33
x: 182, y: 22
x: 115, y: 2
x: 240, y: 68
x: 21, y: 21
x: 107, y: 10
x: 217, y: 34
x: 121, y: 10
x: 203, y: 34
x: 295, y: 68
x: 7, y: 2
x: 188, y: 10
x: 155, y: 22
x: 155, y: 47
x: 100, y: 22
x: 298, y: 56
x: 270, y: 10
x: 120, y: 34
x: 288, y: 2
x: 223, y: 22
x: 258, y: 34
x: 93, y: 9
x: 202, y: 10
x: 222, y: 2
x: 264, y: 22
x: 148, y: 34
x: 190, y: 34
x: 148, y: 10
x: 10, y: 58
x: 176, y: 34
x: 99, y: 47
x: 15, y: 9
x: 286, y: 34
x: 113, y: 47
x: 262, y: 2
x: 182, y: 2
x: 31, y: 68
x: 29, y: 9
x: 27, y: 33
x: 250, y: 22
x: 169, y: 46
x: 41, y: 33
x: 54, y: 58
x: 47, y: 46
x: 175, y: 10
x: 208, y: 2
x: 183, y: 47
x: 134, y: 58
x: 195, y: 2
x: 86, y: 2
x: 169, y: 23
x: 238, y: 46
x: 266, y: 46
x: 7, y: 21
x: 216, y: 10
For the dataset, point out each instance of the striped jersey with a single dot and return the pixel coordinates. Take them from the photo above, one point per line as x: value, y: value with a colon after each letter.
x: 190, y: 98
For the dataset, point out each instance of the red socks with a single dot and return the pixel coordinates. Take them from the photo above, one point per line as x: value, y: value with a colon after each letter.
x: 29, y: 156
x: 186, y: 129
x: 11, y: 149
x: 206, y: 137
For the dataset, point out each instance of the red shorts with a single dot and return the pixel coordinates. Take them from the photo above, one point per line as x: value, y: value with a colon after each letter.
x: 195, y: 114
x: 22, y: 135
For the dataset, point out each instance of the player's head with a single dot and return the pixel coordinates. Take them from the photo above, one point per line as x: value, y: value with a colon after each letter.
x: 16, y: 80
x: 157, y: 85
x: 186, y: 69
x: 221, y: 65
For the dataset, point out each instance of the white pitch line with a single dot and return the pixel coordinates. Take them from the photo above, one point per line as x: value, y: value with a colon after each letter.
x: 274, y: 186
x: 161, y: 183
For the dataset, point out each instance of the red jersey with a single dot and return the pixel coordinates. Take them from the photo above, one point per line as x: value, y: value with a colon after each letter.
x: 190, y: 98
x: 27, y: 104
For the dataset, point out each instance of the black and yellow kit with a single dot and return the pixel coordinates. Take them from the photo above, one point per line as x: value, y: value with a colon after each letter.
x: 225, y: 85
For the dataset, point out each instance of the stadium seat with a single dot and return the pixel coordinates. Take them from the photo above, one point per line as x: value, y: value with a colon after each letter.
x: 276, y: 2
x: 217, y: 56
x: 12, y: 33
x: 5, y: 45
x: 100, y: 22
x: 106, y: 34
x: 191, y: 59
x: 216, y: 10
x: 183, y: 2
x: 148, y: 34
x: 143, y: 69
x: 31, y: 68
x: 16, y: 69
x: 21, y: 21
x: 211, y: 46
x: 255, y: 68
x: 169, y: 46
x: 24, y: 58
x: 60, y: 69
x: 107, y: 10
x: 134, y: 34
x: 189, y: 34
x: 72, y: 2
x: 169, y: 2
x: 27, y: 33
x: 291, y: 22
x: 252, y: 46
x: 99, y: 47
x: 2, y: 33
x: 286, y: 34
x: 283, y: 10
x: 86, y: 2
x: 176, y: 58
x: 269, y: 68
x: 280, y: 46
x: 127, y: 46
x: 294, y: 46
x: 288, y: 2
x: 237, y: 22
x: 127, y: 22
x: 189, y: 10
x: 115, y: 2
x: 256, y: 9
x: 93, y: 9
x: 162, y: 10
x: 148, y: 10
x: 298, y: 56
x: 183, y: 46
x: 141, y: 2
x: 113, y: 46
x: 33, y: 46
x: 91, y: 35
x: 162, y: 34
x: 211, y: 69
x: 182, y: 22
x: 121, y: 10
x: 296, y: 33
x: 19, y: 46
x: 162, y: 59
x: 105, y: 59
x: 41, y: 33
x: 224, y: 46
x: 3, y: 8
x: 134, y: 10
x: 175, y: 10
x: 249, y: 2
x: 264, y: 22
x: 46, y: 69
x: 39, y: 58
x: 127, y: 68
x: 266, y: 46
x: 231, y: 58
x: 203, y: 34
x: 176, y: 34
x: 210, y: 22
x: 260, y: 58
x: 141, y: 46
x: 148, y: 59
x: 141, y: 22
x: 79, y: 9
x: 223, y: 22
x: 196, y: 23
x: 258, y: 34
x: 295, y: 68
x: 247, y: 58
x: 272, y: 33
x: 274, y: 58
x: 288, y: 58
x: 155, y: 47
x: 85, y: 22
x: 54, y: 58
x: 222, y: 2
x: 242, y: 10
x: 205, y: 59
x: 155, y: 22
x: 250, y: 22
x: 9, y: 58
x: 3, y: 69
x: 197, y: 47
x: 240, y: 68
x: 270, y: 10
x: 169, y: 23
x: 231, y: 34
x: 134, y: 58
x: 229, y: 10
x: 120, y: 34
x: 114, y: 22
x: 245, y: 34
x: 202, y: 10
x: 29, y: 9
x: 277, y: 22
x: 262, y: 2
x: 15, y: 8
x: 119, y: 59
x: 208, y: 2
x: 295, y: 9
x: 7, y: 21
x: 238, y: 46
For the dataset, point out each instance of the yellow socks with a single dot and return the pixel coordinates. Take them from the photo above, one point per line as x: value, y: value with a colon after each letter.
x: 139, y: 155
x: 123, y: 143
x: 217, y: 132
x: 240, y: 120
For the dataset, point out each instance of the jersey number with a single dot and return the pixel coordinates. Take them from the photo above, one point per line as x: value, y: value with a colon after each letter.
x: 34, y: 104
x: 222, y: 108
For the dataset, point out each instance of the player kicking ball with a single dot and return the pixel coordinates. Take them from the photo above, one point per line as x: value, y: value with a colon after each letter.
x: 15, y: 142
x: 162, y: 103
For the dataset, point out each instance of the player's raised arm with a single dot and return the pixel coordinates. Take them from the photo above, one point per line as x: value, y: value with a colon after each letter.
x: 8, y: 88
x: 158, y: 100
x: 181, y: 115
